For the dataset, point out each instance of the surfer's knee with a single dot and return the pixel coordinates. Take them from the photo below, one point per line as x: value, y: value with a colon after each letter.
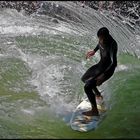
x: 83, y: 79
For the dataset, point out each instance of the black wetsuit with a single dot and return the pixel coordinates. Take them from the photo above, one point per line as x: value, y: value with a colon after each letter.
x: 106, y: 66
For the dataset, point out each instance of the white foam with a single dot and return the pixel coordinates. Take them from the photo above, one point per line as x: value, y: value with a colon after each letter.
x: 121, y: 68
x: 2, y: 55
x: 62, y: 28
x: 33, y: 30
x: 16, y: 29
x: 28, y: 111
x: 46, y: 76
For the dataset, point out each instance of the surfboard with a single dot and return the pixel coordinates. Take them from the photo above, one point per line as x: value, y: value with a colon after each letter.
x: 85, y: 123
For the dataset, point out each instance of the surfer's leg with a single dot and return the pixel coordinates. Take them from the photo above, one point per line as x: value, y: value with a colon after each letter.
x: 97, y: 92
x: 91, y: 96
x: 98, y: 83
x: 102, y: 80
x: 90, y: 73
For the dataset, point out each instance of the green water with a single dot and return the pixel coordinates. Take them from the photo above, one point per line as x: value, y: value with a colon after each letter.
x: 41, y: 64
x: 121, y: 121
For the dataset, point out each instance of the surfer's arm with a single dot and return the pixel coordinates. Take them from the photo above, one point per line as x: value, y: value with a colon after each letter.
x: 91, y: 53
x: 96, y: 48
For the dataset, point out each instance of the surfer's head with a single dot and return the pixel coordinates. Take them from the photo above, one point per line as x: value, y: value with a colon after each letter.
x: 103, y: 34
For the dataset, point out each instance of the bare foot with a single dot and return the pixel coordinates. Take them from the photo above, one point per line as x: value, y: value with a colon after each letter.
x: 91, y: 113
x: 99, y: 97
x: 99, y: 100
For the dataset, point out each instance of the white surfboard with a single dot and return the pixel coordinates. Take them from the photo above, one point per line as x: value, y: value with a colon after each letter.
x: 85, y: 123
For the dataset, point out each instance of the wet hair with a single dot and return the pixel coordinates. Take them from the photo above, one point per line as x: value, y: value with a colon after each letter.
x: 103, y: 32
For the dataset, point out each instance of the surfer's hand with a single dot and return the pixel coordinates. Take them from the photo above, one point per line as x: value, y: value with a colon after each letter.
x: 89, y: 54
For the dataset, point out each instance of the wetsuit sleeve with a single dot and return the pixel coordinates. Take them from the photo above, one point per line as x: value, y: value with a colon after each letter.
x: 96, y: 48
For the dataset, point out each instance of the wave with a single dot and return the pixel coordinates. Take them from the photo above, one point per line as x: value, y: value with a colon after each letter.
x: 46, y: 50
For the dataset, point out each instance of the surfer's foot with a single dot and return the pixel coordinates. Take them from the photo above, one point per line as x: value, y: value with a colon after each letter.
x: 99, y: 97
x: 91, y: 113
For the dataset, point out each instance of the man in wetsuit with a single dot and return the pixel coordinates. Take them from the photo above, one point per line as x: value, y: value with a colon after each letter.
x: 102, y: 71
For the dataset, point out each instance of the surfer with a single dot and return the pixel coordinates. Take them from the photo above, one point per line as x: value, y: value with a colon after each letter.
x: 102, y: 71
